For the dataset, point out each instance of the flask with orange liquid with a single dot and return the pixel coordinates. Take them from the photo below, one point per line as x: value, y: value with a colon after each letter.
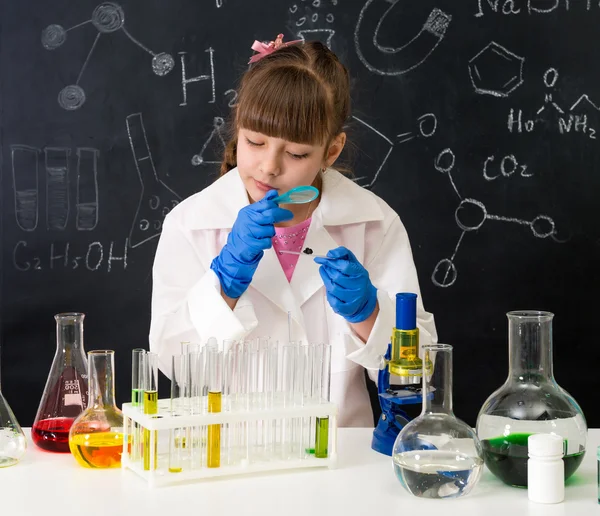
x: 96, y: 437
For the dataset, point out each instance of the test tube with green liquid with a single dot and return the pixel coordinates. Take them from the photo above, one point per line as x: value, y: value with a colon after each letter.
x: 137, y: 376
x: 322, y: 423
x: 150, y: 443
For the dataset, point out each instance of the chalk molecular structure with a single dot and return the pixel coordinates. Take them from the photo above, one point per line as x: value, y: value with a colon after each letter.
x: 427, y: 126
x: 445, y: 272
x: 107, y: 17
x: 496, y: 71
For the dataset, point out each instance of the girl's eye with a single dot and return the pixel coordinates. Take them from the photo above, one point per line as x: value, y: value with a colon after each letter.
x: 298, y: 156
x: 253, y: 144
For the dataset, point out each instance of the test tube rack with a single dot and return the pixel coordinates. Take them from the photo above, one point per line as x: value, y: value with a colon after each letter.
x: 282, y: 454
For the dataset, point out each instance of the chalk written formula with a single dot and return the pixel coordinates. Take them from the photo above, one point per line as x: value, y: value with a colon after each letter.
x: 94, y: 256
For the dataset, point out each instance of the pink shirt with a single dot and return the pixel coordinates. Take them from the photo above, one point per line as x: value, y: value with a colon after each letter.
x: 290, y: 239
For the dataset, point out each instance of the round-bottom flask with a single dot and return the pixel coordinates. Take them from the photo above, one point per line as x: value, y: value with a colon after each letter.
x: 529, y: 402
x: 437, y: 455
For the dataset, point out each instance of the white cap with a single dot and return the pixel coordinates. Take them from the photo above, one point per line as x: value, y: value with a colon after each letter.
x: 545, y: 445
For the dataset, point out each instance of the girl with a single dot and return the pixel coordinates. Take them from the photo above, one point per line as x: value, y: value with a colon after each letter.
x: 220, y: 270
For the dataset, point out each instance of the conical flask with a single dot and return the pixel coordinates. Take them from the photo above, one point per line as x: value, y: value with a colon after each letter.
x: 12, y: 439
x: 65, y: 394
x: 529, y: 402
x: 96, y: 436
x: 436, y: 455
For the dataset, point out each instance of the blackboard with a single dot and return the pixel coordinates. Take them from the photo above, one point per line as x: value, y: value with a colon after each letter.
x: 477, y: 121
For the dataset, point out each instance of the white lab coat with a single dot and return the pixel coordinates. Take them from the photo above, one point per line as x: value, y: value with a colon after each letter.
x: 187, y: 304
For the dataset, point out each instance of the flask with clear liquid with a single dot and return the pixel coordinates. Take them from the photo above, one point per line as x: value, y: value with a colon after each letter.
x: 12, y: 439
x: 529, y: 402
x: 436, y: 455
x: 96, y: 436
x: 65, y: 394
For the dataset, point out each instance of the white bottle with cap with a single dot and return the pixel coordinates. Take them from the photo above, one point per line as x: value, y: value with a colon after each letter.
x: 545, y: 468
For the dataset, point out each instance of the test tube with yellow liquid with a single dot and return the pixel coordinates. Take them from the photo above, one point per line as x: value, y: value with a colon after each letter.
x: 150, y: 439
x: 213, y: 441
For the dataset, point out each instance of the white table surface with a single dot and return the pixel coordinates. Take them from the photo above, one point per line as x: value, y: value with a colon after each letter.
x: 48, y: 484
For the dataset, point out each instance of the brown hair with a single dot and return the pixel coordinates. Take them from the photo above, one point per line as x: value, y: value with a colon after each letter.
x: 300, y: 93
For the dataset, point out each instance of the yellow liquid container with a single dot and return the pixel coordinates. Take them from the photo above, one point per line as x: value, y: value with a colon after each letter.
x: 213, y: 453
x: 101, y: 450
x: 150, y: 407
x: 96, y: 436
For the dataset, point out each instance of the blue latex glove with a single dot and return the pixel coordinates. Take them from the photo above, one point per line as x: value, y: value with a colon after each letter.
x: 349, y: 289
x: 250, y: 236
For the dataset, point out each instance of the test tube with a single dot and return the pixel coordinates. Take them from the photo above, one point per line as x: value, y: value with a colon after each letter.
x: 312, y: 382
x: 229, y: 361
x: 298, y: 399
x: 243, y: 401
x: 228, y: 378
x: 194, y: 347
x: 188, y: 397
x: 213, y: 447
x: 185, y: 347
x: 253, y: 401
x: 150, y: 448
x: 137, y: 401
x: 264, y: 388
x: 322, y: 423
x: 305, y: 369
x: 178, y: 393
x: 137, y: 377
x: 273, y: 368
x: 288, y: 355
x: 197, y: 379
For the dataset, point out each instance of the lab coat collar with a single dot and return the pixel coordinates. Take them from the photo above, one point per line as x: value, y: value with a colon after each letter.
x: 342, y: 202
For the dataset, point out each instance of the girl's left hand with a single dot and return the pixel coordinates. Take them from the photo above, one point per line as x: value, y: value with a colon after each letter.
x: 349, y: 289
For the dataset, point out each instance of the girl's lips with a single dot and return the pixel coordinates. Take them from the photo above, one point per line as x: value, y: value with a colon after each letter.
x: 263, y: 186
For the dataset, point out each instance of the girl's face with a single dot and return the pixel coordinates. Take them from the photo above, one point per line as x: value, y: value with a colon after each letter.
x: 266, y: 163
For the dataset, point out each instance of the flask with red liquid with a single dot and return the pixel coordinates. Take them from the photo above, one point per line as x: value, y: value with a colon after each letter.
x: 66, y: 392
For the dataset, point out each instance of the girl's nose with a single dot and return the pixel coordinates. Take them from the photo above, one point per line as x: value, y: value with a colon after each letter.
x: 270, y: 166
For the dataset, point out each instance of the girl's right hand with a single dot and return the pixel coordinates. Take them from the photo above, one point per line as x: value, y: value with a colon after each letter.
x: 250, y: 236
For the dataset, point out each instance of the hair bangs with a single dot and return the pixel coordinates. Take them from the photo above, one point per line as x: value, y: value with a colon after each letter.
x: 288, y: 103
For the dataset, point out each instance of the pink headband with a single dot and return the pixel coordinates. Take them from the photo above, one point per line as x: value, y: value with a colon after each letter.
x: 264, y: 49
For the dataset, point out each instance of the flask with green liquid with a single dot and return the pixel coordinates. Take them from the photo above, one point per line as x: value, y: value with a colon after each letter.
x: 529, y: 402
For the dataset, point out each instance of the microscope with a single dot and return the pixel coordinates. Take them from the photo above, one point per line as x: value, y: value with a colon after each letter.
x: 404, y: 368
